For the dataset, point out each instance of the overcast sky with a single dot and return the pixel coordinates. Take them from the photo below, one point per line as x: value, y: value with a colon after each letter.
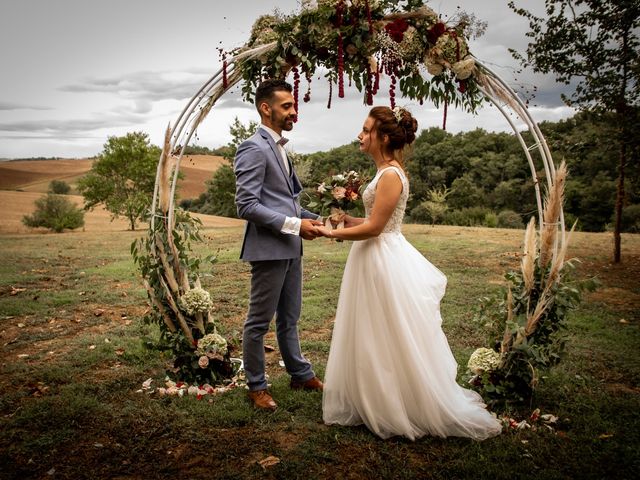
x: 77, y: 71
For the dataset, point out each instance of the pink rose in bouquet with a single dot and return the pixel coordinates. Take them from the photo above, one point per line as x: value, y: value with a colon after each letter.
x: 338, y: 194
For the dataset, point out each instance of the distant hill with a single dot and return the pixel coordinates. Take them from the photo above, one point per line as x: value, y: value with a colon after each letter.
x: 35, y: 175
x: 22, y: 182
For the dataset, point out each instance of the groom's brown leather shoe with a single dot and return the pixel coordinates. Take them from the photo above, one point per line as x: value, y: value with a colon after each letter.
x: 261, y: 399
x: 311, y: 384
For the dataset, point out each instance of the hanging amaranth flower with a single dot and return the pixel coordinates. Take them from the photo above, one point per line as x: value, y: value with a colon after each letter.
x: 296, y: 90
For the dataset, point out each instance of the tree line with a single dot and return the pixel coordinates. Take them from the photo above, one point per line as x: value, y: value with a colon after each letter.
x: 475, y: 178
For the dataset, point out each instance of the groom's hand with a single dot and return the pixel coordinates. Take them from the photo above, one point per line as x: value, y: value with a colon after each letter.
x: 308, y: 229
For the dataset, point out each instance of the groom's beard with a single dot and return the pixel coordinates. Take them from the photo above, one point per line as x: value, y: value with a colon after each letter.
x: 285, y: 123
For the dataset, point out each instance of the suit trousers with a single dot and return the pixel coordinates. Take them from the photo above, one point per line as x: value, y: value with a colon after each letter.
x: 276, y: 288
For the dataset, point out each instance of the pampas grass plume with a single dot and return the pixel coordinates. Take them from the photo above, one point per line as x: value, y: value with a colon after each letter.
x: 529, y: 258
x: 551, y: 215
x: 164, y: 187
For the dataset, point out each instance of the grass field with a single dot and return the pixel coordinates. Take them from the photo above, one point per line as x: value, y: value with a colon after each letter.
x: 73, y: 356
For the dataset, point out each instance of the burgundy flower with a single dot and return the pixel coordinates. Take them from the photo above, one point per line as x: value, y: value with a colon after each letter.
x: 323, y: 53
x: 396, y: 29
x: 435, y: 32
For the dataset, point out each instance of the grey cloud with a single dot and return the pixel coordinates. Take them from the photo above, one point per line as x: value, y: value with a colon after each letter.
x: 57, y: 127
x: 57, y: 136
x: 145, y: 86
x: 142, y: 106
x: 18, y: 106
x: 233, y: 102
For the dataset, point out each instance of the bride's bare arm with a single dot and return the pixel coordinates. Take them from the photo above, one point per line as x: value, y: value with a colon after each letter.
x: 388, y: 192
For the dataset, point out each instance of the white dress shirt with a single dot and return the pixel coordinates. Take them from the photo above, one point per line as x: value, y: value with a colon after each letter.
x: 291, y: 225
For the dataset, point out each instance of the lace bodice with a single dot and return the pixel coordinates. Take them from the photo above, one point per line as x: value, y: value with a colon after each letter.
x: 368, y: 197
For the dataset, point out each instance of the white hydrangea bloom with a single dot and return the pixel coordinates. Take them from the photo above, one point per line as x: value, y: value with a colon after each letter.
x: 483, y: 360
x: 211, y: 344
x: 195, y: 301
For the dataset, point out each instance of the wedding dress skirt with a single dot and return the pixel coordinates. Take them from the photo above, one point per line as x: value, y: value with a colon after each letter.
x: 390, y: 366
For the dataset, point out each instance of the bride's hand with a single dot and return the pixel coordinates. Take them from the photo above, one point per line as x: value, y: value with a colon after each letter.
x: 324, y: 231
x: 350, y: 221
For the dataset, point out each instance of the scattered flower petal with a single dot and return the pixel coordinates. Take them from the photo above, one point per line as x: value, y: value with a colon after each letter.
x: 269, y: 461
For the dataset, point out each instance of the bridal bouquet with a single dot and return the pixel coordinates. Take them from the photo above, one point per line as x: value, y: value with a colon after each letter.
x: 338, y: 194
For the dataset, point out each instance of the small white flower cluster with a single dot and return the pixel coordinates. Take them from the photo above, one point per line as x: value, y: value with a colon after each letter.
x: 390, y: 48
x: 338, y: 178
x: 483, y: 360
x: 211, y: 345
x: 397, y: 112
x: 196, y: 300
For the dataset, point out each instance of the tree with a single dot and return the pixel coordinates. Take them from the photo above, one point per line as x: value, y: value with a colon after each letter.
x: 436, y: 206
x: 596, y: 44
x: 123, y: 177
x: 464, y: 193
x: 219, y: 198
x: 59, y: 187
x: 56, y: 213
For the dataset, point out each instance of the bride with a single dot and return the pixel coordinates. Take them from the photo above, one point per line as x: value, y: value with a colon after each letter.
x: 390, y: 365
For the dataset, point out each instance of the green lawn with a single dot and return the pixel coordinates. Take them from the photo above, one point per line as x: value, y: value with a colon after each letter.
x: 74, y: 355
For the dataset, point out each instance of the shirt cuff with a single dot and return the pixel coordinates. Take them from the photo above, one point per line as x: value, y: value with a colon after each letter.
x: 291, y: 226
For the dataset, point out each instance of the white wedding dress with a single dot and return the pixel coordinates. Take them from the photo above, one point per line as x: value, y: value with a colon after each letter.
x: 390, y: 365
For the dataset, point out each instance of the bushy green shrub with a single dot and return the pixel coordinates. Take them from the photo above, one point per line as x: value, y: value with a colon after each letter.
x: 491, y: 220
x: 186, y: 203
x: 509, y: 219
x: 467, y: 217
x: 56, y: 213
x: 59, y: 187
x: 419, y: 214
x: 631, y: 219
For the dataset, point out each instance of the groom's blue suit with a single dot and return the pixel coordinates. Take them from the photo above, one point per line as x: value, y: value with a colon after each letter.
x: 265, y: 196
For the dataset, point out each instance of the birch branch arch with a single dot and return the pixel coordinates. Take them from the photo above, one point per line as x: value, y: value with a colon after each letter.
x: 362, y: 40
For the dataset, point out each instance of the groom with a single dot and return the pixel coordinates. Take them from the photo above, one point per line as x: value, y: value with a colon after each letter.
x: 267, y: 190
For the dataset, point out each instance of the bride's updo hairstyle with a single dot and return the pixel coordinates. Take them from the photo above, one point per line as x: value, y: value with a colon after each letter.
x: 399, y: 125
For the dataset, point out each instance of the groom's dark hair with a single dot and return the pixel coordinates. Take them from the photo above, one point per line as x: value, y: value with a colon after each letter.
x: 265, y: 91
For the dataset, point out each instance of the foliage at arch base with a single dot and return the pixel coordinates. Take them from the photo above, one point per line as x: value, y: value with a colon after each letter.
x: 527, y: 321
x: 179, y: 304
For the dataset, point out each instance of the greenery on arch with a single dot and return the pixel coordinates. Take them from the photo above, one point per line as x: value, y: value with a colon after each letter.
x: 358, y: 41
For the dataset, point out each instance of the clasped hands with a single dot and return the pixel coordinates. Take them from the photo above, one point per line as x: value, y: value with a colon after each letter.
x: 312, y: 229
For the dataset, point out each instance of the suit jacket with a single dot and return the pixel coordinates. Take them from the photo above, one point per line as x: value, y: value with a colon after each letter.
x: 265, y: 196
